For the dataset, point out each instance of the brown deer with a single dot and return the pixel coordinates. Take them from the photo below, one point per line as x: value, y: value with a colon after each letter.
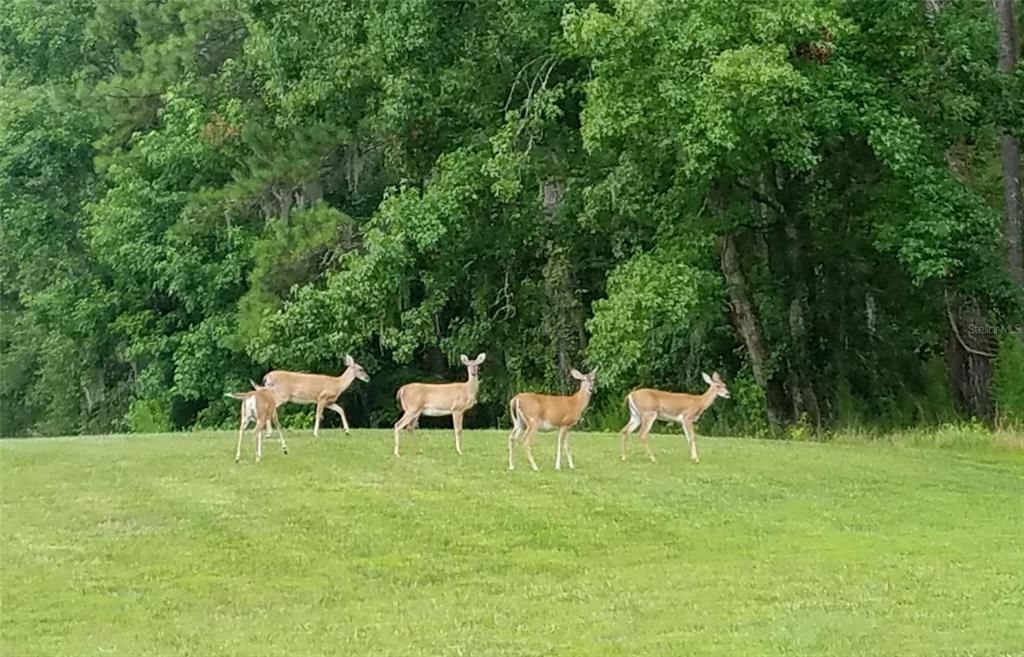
x: 647, y: 405
x: 531, y: 412
x: 319, y: 389
x: 260, y: 406
x: 439, y: 399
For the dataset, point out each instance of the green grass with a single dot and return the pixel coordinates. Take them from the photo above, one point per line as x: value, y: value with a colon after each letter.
x: 161, y: 545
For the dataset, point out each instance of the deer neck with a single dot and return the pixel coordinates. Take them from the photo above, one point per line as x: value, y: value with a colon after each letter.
x: 473, y: 384
x: 345, y: 380
x: 582, y: 397
x: 707, y: 399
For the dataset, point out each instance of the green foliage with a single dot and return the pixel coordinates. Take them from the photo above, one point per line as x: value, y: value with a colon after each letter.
x: 194, y: 193
x: 1009, y: 381
x: 743, y: 412
x: 148, y: 416
x: 654, y: 305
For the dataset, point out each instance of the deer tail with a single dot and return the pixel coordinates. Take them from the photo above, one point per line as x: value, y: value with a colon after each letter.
x: 633, y: 412
x: 513, y: 409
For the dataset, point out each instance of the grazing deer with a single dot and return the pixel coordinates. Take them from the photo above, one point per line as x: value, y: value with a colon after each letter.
x: 260, y: 406
x: 531, y: 412
x: 319, y: 389
x: 647, y: 405
x: 439, y: 399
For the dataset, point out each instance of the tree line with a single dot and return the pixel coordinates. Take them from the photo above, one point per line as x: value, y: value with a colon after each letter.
x: 818, y: 198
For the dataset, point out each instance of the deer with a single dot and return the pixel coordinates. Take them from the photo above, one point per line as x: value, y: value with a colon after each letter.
x: 438, y: 400
x: 647, y: 405
x: 319, y: 389
x: 531, y: 411
x: 259, y: 405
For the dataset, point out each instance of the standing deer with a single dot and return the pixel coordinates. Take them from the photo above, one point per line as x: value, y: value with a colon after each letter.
x: 319, y: 389
x: 647, y: 405
x: 438, y: 400
x: 260, y: 406
x: 531, y: 412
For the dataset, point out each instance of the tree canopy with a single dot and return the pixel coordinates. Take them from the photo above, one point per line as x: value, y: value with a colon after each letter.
x: 810, y: 197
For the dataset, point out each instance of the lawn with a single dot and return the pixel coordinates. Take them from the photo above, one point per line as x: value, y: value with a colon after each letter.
x: 162, y: 545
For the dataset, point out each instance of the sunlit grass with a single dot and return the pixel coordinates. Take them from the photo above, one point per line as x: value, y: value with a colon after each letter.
x: 161, y: 545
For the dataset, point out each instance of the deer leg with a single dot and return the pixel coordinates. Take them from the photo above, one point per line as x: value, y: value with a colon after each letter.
x: 268, y: 433
x: 558, y: 447
x: 568, y: 452
x: 634, y: 423
x: 528, y: 445
x: 241, y: 433
x: 691, y: 437
x: 457, y: 423
x: 280, y: 431
x: 257, y: 440
x: 344, y: 420
x: 320, y: 404
x: 404, y: 421
x: 511, y: 442
x: 645, y: 430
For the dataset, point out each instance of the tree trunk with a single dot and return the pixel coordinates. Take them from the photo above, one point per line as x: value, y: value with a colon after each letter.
x: 744, y: 319
x: 564, y: 321
x: 969, y: 358
x: 1010, y: 146
x: 801, y: 379
x: 971, y: 367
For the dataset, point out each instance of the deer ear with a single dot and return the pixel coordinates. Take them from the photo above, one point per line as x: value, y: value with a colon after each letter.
x: 593, y: 372
x: 481, y: 358
x: 714, y: 375
x: 575, y: 373
x: 348, y: 360
x: 707, y: 379
x: 464, y: 359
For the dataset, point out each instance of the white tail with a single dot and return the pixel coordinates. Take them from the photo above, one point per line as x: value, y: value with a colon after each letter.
x: 260, y: 406
x: 319, y: 389
x: 439, y: 399
x: 647, y: 405
x: 531, y: 412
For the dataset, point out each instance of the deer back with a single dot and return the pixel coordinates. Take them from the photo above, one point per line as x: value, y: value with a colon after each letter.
x: 304, y: 387
x: 438, y: 396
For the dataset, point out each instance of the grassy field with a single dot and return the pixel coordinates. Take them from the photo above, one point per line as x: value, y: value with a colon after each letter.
x: 161, y: 545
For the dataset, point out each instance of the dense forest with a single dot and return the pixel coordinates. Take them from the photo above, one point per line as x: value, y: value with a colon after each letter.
x: 820, y: 199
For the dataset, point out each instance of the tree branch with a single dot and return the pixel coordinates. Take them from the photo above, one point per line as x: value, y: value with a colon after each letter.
x: 763, y: 198
x: 959, y: 338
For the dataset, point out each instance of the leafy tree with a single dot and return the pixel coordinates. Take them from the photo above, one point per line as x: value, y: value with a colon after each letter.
x: 807, y: 196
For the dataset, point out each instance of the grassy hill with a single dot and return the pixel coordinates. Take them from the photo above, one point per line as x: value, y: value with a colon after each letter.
x: 161, y: 545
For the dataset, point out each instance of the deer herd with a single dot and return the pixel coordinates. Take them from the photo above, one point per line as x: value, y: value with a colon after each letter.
x: 530, y: 412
